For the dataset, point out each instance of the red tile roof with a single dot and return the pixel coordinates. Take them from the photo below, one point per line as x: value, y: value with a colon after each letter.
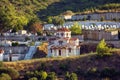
x: 73, y: 39
x: 58, y: 47
x: 63, y: 30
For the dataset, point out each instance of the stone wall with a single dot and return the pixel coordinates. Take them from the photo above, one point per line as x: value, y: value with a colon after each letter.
x: 15, y: 50
x: 97, y: 16
x: 100, y: 34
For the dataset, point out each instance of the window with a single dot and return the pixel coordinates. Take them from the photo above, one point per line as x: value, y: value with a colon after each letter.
x: 51, y: 50
x: 59, y: 52
x: 60, y: 42
x: 62, y: 34
x: 69, y: 49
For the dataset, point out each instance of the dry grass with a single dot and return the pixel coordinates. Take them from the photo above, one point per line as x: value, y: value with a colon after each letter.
x: 34, y: 63
x: 84, y: 62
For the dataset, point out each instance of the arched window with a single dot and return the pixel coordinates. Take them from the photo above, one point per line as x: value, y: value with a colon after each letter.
x: 51, y: 50
x: 59, y: 52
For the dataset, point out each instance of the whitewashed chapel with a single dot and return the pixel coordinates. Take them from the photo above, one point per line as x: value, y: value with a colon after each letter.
x: 63, y: 45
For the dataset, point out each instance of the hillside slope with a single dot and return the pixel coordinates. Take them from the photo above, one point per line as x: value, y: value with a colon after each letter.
x: 56, y: 7
x: 19, y: 13
x: 81, y: 65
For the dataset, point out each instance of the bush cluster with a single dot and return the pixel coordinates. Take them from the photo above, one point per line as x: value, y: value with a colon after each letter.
x: 41, y: 75
x: 8, y: 73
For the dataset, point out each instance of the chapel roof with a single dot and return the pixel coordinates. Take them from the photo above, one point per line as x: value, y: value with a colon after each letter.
x: 63, y: 30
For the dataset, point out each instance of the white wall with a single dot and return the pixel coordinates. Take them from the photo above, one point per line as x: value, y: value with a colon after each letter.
x: 1, y: 57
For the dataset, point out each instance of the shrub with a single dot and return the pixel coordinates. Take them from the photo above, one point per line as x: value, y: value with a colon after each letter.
x: 33, y: 78
x: 67, y: 76
x: 15, y: 44
x: 64, y: 67
x: 4, y: 76
x: 32, y: 43
x: 29, y: 74
x: 1, y: 64
x: 73, y: 76
x: 39, y: 33
x: 102, y: 18
x: 51, y: 76
x: 12, y: 72
x: 93, y: 72
x: 27, y: 38
x: 43, y: 67
x: 102, y: 49
x: 80, y: 71
x: 108, y: 72
x: 43, y: 75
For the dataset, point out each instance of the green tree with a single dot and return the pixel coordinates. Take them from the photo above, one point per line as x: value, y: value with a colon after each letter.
x: 58, y: 20
x: 102, y: 48
x: 76, y: 29
x: 9, y: 18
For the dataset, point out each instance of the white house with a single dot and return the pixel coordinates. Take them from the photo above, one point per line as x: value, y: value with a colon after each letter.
x: 1, y: 55
x: 63, y: 45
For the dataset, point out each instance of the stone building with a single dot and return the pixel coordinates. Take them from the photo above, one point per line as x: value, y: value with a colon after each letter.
x: 100, y: 34
x: 64, y: 45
